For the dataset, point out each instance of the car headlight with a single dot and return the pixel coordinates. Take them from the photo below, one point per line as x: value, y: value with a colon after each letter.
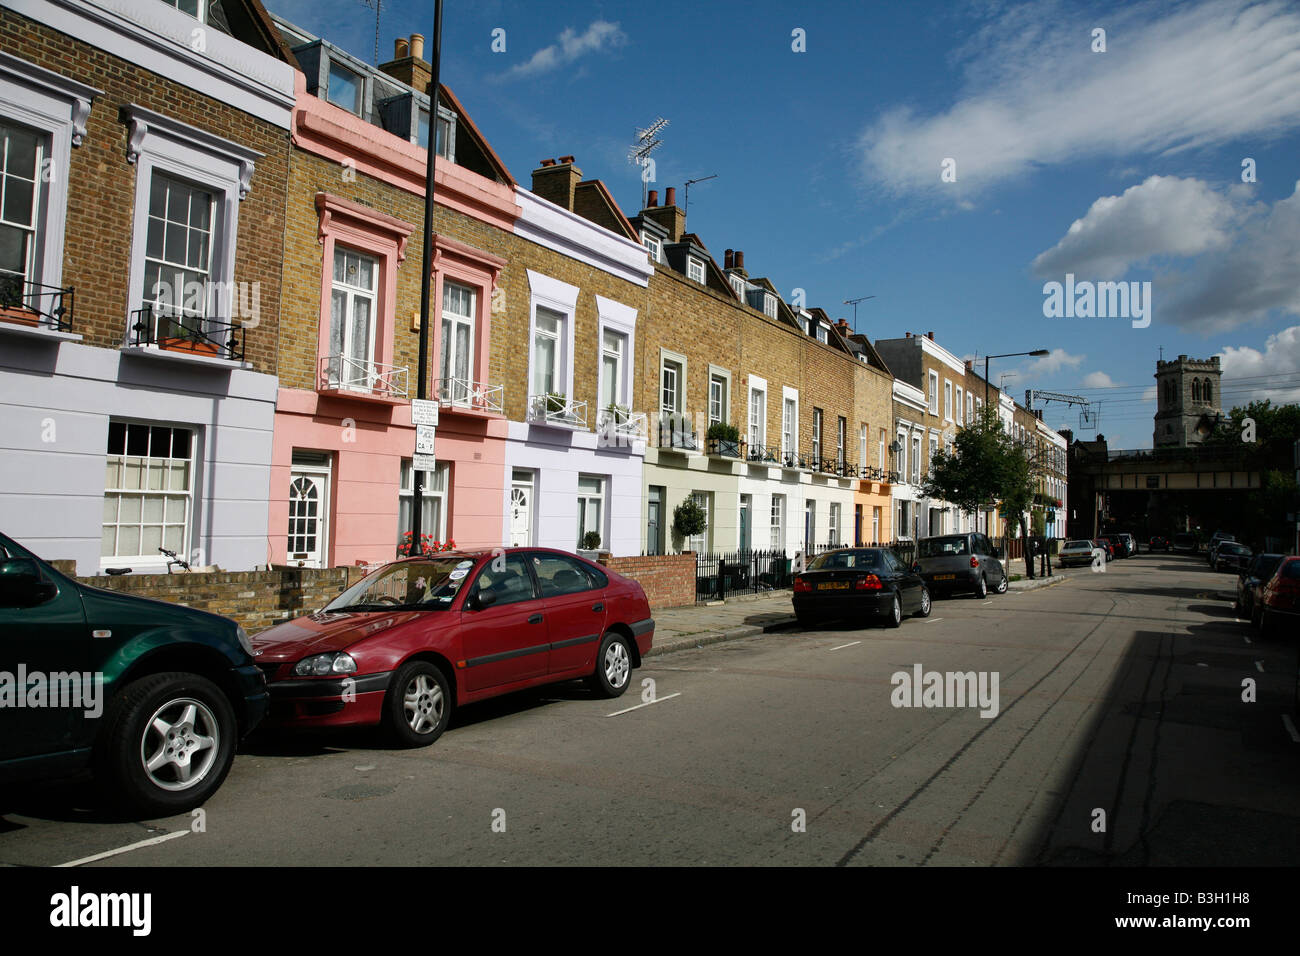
x: 323, y: 665
x: 242, y: 636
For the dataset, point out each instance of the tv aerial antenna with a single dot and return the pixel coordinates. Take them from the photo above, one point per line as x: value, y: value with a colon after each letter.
x: 854, y: 303
x: 1089, y: 411
x: 687, y: 210
x: 647, y: 141
x: 375, y: 4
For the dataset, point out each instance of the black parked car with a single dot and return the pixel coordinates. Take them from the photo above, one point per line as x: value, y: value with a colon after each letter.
x: 1232, y: 556
x: 1250, y: 583
x: 1159, y: 543
x: 962, y: 562
x: 857, y: 584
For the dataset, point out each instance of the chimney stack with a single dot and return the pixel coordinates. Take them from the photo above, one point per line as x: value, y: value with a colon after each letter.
x: 557, y: 183
x: 668, y: 215
x: 970, y: 365
x: 930, y: 336
x: 408, y: 65
x: 728, y: 259
x: 907, y: 335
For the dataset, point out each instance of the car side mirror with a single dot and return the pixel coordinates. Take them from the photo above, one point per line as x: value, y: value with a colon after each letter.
x: 21, y: 584
x: 482, y: 599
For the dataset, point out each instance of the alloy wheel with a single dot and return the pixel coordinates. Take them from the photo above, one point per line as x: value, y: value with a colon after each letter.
x: 180, y: 744
x: 617, y: 664
x: 422, y: 704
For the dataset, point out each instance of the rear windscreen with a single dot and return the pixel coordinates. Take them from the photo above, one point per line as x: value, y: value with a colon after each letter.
x: 942, y: 547
x: 832, y: 560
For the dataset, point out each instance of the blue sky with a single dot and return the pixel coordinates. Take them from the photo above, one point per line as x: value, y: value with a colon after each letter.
x: 1122, y: 165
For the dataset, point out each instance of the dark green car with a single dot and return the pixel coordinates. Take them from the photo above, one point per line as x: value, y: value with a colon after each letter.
x: 152, y: 697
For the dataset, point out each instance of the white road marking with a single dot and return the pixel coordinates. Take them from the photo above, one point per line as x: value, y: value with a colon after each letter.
x: 1289, y: 724
x: 1199, y: 664
x: 933, y: 619
x: 646, y: 704
x: 126, y: 849
x: 842, y: 646
x: 986, y: 604
x: 1247, y: 639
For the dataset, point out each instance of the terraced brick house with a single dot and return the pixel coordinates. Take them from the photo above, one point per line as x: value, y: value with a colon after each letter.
x: 145, y: 156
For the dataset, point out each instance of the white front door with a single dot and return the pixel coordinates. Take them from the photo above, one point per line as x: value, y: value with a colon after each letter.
x: 521, y: 510
x: 308, y: 509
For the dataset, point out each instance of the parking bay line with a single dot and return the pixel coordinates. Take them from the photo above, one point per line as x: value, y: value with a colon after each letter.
x: 646, y: 704
x: 933, y: 619
x: 1289, y: 724
x: 152, y: 841
x: 842, y: 646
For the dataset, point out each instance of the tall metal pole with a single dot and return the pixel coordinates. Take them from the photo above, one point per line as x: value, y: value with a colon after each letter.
x: 426, y: 272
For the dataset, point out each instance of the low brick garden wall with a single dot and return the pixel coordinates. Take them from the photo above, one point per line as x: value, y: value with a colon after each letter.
x: 255, y: 599
x: 668, y: 579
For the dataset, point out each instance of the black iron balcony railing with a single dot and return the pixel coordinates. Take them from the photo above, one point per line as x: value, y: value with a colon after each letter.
x: 762, y: 453
x: 677, y: 431
x: 34, y: 304
x: 187, y: 333
x: 792, y: 459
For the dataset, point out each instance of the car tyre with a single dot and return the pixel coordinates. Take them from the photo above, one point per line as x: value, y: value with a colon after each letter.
x: 417, y: 706
x: 981, y: 588
x: 167, y: 742
x: 926, y: 603
x: 804, y: 619
x: 1003, y: 584
x: 613, y: 671
x: 895, y: 617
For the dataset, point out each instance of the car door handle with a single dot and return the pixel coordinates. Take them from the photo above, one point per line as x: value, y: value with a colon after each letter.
x: 599, y: 606
x: 535, y: 619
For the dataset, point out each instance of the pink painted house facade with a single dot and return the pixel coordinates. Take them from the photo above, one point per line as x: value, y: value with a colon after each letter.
x: 341, y: 476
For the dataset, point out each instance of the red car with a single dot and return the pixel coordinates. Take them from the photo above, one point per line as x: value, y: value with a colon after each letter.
x: 407, y: 643
x: 1279, y: 602
x: 1106, y: 546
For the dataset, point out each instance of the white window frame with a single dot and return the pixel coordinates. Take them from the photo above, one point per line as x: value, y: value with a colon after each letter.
x: 769, y: 305
x: 677, y: 360
x: 862, y: 447
x: 720, y: 377
x: 881, y: 448
x: 833, y: 523
x: 358, y: 105
x: 56, y: 108
x: 916, y: 459
x: 756, y: 419
x: 695, y: 269
x: 585, y: 500
x: 700, y: 542
x: 451, y: 320
x: 957, y: 403
x: 614, y: 316
x: 776, y: 515
x: 435, y: 487
x: 818, y: 420
x: 841, y: 440
x: 823, y: 333
x: 947, y: 399
x: 352, y: 294
x: 562, y: 298
x: 934, y: 393
x: 121, y: 492
x: 789, y: 429
x: 970, y: 407
x: 904, y: 442
x: 934, y: 447
x: 160, y: 143
x: 738, y: 283
x: 36, y: 215
x: 653, y: 246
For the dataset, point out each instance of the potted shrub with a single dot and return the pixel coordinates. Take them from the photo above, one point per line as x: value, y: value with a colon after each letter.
x: 590, y: 545
x: 724, y: 439
x: 555, y: 405
x: 689, y: 519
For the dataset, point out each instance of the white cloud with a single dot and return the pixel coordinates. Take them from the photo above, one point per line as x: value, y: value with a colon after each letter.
x: 1053, y: 362
x: 1097, y: 380
x: 1163, y: 216
x: 1149, y: 393
x: 569, y: 46
x: 1281, y: 357
x: 1034, y: 93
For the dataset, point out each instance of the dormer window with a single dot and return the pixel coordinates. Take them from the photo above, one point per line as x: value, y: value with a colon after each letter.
x: 653, y: 245
x: 823, y: 334
x: 195, y: 8
x: 446, y: 133
x: 769, y: 305
x: 803, y: 323
x: 695, y: 269
x: 738, y: 284
x: 345, y: 88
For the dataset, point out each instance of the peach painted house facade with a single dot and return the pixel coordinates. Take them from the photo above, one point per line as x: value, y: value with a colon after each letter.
x: 341, y: 477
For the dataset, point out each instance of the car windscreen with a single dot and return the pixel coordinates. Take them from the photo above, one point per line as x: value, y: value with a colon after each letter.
x: 836, y: 560
x: 943, y: 547
x: 427, y: 585
x: 1229, y: 548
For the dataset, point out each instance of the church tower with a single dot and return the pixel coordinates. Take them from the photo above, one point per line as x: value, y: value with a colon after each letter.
x: 1188, y: 401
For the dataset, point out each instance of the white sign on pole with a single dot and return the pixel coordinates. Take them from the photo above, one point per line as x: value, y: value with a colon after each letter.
x: 424, y: 435
x: 424, y: 412
x: 424, y: 462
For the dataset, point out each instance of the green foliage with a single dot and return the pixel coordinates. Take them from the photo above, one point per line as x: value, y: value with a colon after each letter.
x: 723, y: 431
x: 689, y: 519
x: 591, y: 540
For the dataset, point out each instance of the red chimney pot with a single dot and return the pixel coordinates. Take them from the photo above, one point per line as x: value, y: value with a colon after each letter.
x: 548, y: 162
x: 670, y: 196
x: 566, y: 159
x: 740, y: 259
x: 653, y: 199
x: 728, y: 259
x: 930, y: 336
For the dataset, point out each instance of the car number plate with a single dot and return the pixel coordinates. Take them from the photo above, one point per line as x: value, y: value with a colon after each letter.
x: 833, y: 586
x: 945, y: 577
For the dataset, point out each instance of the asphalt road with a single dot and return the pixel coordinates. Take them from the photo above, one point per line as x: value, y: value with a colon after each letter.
x: 1121, y: 737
